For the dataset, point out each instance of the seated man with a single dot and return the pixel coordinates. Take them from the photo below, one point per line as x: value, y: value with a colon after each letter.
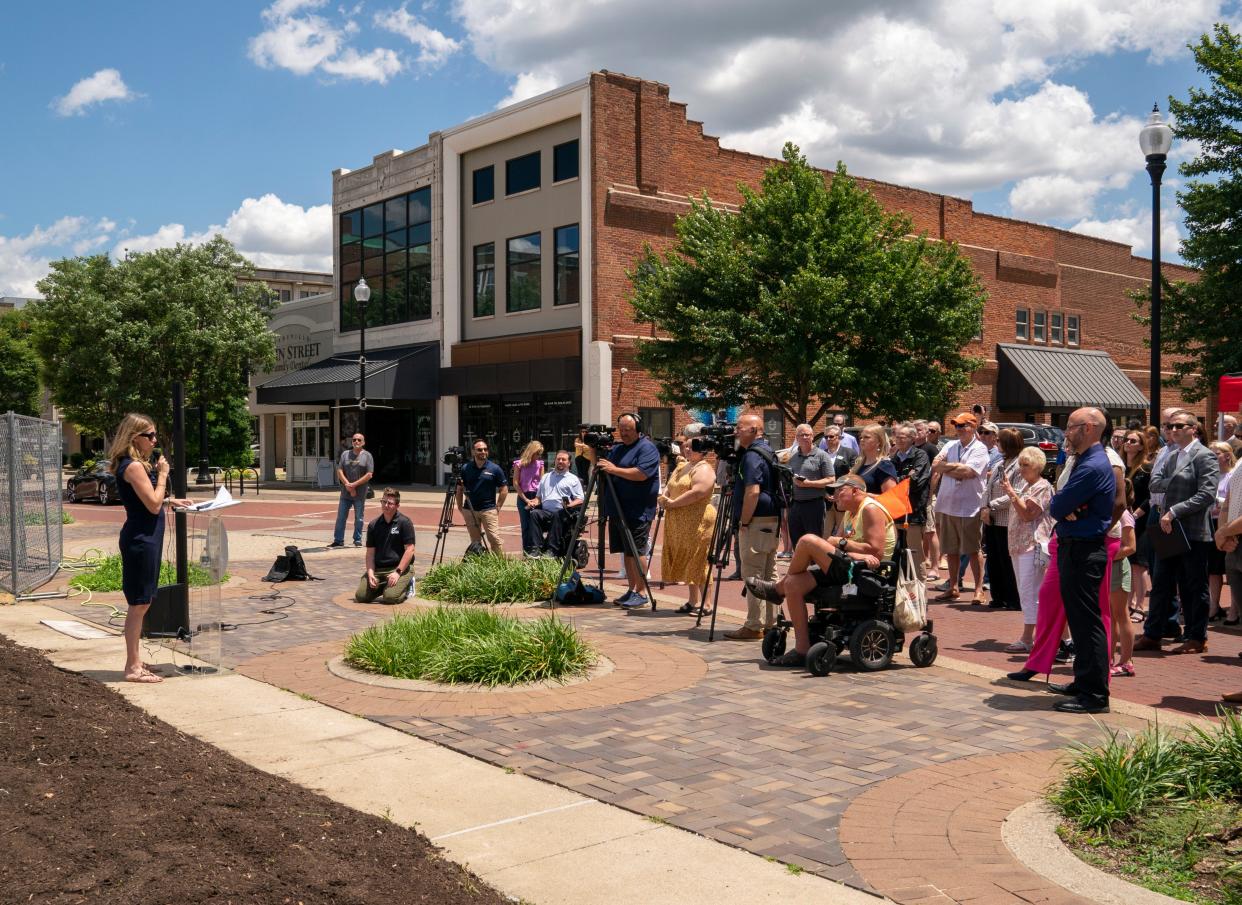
x: 390, y: 551
x: 867, y: 536
x: 555, y: 504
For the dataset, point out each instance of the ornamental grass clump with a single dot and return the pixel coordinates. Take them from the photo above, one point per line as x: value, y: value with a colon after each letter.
x: 458, y: 644
x: 106, y: 576
x: 491, y: 578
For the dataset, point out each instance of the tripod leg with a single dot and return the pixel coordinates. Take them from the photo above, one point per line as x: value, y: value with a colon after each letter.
x: 653, y: 540
x: 628, y: 541
x: 567, y: 562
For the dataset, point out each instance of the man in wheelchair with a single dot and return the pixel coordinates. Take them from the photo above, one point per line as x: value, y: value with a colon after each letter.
x: 867, y: 536
x: 555, y: 505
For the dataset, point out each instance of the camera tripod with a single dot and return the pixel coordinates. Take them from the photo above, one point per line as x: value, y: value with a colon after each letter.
x: 446, y: 514
x: 724, y: 534
x: 600, y: 483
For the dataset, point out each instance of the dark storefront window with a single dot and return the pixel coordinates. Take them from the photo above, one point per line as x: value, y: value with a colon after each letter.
x: 523, y: 289
x: 566, y: 265
x: 522, y: 173
x: 508, y: 423
x: 389, y: 243
x: 657, y: 422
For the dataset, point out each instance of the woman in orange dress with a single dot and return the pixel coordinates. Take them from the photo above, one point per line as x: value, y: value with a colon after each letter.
x: 689, y: 518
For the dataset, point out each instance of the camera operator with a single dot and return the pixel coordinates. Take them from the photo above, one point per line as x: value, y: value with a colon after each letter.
x: 812, y: 471
x: 756, y: 513
x: 487, y: 486
x: 559, y: 494
x: 635, y: 464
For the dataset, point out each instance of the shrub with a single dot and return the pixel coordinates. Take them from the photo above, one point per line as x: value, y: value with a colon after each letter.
x: 469, y: 644
x: 491, y: 578
x: 1127, y: 776
x: 107, y: 576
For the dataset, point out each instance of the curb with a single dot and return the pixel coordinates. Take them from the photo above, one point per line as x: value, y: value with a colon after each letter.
x: 1030, y: 833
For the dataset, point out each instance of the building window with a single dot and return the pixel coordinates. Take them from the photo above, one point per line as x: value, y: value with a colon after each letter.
x: 522, y: 174
x: 522, y: 283
x: 484, y: 184
x: 388, y: 243
x: 1071, y: 329
x: 1022, y: 325
x: 1039, y: 334
x: 566, y: 288
x: 657, y: 422
x: 1055, y: 333
x: 485, y: 280
x: 565, y: 161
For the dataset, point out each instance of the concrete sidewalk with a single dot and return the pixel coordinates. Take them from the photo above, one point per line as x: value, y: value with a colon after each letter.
x: 532, y: 840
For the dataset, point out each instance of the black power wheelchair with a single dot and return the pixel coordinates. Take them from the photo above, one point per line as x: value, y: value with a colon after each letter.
x: 860, y: 622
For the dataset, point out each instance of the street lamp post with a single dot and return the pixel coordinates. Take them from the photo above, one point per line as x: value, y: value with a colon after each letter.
x: 362, y: 295
x: 1155, y: 141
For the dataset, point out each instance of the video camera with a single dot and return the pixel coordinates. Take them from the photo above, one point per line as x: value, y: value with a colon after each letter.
x: 720, y: 438
x: 455, y: 456
x: 599, y: 437
x: 668, y: 447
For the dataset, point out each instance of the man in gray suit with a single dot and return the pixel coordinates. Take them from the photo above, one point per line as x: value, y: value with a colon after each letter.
x: 1187, y: 477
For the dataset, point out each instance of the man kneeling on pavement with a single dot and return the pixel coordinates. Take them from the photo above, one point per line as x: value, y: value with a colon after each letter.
x: 390, y: 553
x: 867, y: 537
x: 556, y: 503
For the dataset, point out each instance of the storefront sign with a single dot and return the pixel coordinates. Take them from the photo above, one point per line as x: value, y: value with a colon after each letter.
x: 294, y: 349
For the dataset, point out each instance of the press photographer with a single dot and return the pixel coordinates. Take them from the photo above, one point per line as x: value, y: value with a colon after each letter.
x: 486, y: 487
x: 634, y: 464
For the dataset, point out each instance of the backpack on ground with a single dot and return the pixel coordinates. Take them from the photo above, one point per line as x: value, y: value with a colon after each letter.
x: 289, y: 566
x: 575, y: 593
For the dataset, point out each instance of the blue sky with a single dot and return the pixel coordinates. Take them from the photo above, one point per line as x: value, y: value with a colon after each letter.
x: 138, y: 124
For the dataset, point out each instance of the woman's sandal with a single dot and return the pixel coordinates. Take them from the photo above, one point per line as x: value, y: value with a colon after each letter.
x: 144, y: 677
x: 1122, y: 669
x: 686, y: 609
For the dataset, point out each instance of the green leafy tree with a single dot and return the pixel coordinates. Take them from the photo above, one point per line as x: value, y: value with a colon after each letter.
x: 113, y: 336
x: 228, y: 434
x: 19, y: 369
x: 1201, y: 320
x: 811, y: 292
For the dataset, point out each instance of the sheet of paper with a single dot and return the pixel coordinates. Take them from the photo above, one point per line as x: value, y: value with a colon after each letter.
x: 222, y: 500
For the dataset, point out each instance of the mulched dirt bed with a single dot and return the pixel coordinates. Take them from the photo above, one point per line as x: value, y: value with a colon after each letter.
x: 99, y: 802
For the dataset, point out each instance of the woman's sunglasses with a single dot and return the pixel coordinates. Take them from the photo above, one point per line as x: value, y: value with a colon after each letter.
x: 150, y: 435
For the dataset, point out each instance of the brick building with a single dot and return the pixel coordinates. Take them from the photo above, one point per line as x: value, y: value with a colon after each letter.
x: 497, y: 252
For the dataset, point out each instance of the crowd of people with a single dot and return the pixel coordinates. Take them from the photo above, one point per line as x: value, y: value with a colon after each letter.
x: 1135, y: 543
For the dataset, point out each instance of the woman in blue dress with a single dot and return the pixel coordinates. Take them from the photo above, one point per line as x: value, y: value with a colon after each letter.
x: 141, y: 485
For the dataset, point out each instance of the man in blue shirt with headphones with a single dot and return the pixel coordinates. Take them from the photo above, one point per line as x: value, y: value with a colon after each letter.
x: 633, y: 468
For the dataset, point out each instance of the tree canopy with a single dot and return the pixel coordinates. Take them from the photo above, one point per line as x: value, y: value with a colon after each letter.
x: 810, y: 292
x: 19, y: 369
x: 113, y: 336
x: 1202, y: 319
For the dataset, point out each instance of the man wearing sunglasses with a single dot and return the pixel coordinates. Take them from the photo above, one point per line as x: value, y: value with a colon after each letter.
x: 354, y: 471
x: 1185, y: 480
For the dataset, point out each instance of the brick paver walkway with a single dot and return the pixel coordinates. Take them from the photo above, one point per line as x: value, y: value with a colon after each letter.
x: 933, y: 836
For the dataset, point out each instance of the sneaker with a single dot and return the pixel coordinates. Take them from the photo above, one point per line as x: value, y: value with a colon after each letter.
x: 335, y: 544
x: 1065, y: 652
x: 620, y: 601
x: 784, y: 556
x: 357, y: 543
x: 634, y: 602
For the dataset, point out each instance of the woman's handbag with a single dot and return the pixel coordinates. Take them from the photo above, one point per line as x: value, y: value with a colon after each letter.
x: 910, y: 611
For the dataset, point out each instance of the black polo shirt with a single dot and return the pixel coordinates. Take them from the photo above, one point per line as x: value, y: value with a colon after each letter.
x: 390, y: 540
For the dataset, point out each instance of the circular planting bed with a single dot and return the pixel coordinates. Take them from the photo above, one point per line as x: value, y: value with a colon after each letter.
x: 490, y: 578
x: 471, y: 645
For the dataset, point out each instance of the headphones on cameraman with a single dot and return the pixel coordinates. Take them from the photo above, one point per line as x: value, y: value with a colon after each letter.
x: 638, y: 422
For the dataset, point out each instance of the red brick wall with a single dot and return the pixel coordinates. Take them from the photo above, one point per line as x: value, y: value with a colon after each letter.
x: 642, y: 142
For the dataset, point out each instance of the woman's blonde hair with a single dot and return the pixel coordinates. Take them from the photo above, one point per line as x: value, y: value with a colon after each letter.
x: 1033, y: 455
x: 1226, y: 450
x: 533, y: 451
x: 130, y: 427
x: 881, y: 438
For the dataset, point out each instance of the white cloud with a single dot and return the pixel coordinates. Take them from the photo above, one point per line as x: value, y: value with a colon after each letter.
x: 949, y: 95
x: 434, y: 47
x: 25, y: 259
x: 268, y: 231
x: 104, y: 85
x: 302, y: 42
x: 1135, y: 231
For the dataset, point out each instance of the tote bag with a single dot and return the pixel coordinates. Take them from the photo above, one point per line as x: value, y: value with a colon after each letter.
x: 910, y: 611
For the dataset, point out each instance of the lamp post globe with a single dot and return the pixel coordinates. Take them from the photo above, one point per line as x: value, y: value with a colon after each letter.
x: 1155, y: 140
x: 362, y: 295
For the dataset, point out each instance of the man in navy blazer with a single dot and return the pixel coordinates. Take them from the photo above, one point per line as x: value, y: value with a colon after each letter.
x: 1187, y: 476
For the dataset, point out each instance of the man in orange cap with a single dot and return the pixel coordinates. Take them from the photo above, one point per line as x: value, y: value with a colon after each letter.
x: 962, y: 466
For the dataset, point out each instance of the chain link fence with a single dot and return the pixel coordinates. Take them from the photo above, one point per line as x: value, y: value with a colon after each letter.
x: 31, y: 540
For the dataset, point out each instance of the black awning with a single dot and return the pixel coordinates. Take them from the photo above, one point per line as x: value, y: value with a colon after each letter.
x: 1043, y: 379
x: 397, y: 373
